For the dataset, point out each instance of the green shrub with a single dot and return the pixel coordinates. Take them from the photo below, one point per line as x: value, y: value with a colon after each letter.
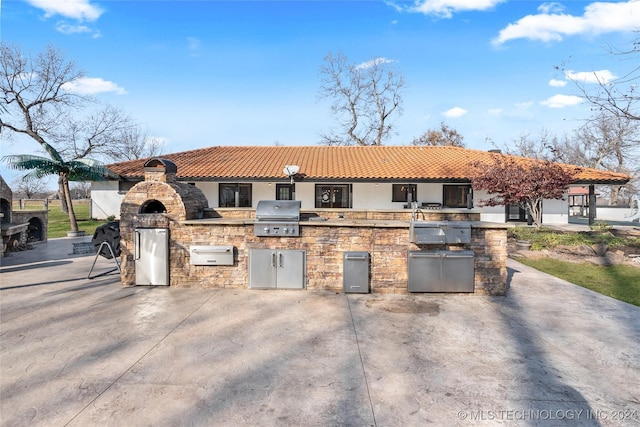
x: 547, y: 238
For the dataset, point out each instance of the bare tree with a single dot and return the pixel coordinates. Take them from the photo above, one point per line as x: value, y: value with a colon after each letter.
x: 608, y: 142
x: 366, y: 97
x: 443, y: 136
x: 544, y: 146
x: 81, y: 190
x: 38, y: 104
x: 33, y: 92
x: 618, y: 97
x: 97, y: 135
x: 136, y: 144
x: 28, y: 188
x: 108, y: 134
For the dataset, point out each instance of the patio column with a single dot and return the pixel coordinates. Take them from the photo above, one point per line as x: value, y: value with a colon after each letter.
x: 592, y: 204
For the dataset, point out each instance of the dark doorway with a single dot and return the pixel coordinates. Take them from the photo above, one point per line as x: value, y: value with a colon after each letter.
x: 5, y: 208
x: 516, y: 214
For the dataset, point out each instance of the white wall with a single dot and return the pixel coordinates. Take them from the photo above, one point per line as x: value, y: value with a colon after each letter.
x: 555, y: 211
x: 610, y: 213
x: 105, y: 200
x: 210, y: 190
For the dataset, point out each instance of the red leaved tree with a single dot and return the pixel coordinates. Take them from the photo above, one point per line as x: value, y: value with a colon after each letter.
x: 525, y: 183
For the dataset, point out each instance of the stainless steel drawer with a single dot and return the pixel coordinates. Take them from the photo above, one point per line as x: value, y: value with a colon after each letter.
x: 211, y: 255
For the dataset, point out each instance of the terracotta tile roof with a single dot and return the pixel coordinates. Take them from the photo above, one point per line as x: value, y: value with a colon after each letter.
x: 392, y: 163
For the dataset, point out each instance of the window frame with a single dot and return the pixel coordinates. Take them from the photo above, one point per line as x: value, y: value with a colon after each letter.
x: 463, y: 201
x: 399, y: 192
x: 320, y: 189
x: 238, y: 197
x: 290, y: 187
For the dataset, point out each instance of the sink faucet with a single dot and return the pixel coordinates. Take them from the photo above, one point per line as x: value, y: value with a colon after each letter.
x: 415, y: 210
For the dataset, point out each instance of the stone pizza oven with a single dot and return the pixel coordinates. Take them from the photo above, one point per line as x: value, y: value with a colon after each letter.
x: 20, y: 227
x: 157, y: 202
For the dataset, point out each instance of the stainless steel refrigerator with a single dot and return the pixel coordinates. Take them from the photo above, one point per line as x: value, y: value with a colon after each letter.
x: 151, y: 253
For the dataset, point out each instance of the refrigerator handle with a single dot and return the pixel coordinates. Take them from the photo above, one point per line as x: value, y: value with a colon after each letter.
x: 136, y: 245
x: 281, y: 260
x: 273, y: 259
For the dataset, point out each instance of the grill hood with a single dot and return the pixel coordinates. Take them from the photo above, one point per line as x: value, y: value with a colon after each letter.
x: 278, y: 210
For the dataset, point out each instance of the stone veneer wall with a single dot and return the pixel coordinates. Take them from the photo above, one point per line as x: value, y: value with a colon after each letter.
x: 324, y: 246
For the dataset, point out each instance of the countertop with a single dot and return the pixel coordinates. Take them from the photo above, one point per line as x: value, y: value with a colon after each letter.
x: 337, y: 222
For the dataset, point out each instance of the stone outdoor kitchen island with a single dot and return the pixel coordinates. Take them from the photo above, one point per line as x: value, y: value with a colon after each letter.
x: 163, y: 203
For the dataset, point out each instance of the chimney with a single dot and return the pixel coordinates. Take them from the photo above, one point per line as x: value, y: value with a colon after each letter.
x: 160, y: 170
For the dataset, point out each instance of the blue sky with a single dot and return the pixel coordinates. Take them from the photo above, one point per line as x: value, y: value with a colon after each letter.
x: 203, y: 73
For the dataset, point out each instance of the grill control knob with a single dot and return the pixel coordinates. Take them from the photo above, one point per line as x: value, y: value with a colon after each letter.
x: 285, y: 230
x: 266, y: 229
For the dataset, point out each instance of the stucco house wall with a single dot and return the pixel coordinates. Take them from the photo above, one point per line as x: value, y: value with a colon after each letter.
x: 106, y: 200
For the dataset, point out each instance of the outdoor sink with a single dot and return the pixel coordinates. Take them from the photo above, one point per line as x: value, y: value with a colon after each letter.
x: 439, y: 232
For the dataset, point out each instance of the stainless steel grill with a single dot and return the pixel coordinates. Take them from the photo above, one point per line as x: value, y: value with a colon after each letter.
x: 277, y: 218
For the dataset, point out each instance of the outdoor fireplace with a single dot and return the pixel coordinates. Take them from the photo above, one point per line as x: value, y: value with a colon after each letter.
x: 148, y: 212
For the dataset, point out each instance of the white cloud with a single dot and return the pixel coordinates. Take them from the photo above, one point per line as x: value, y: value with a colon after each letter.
x: 523, y: 105
x: 455, y: 112
x: 600, y: 76
x: 374, y: 62
x: 495, y: 111
x: 551, y: 8
x: 93, y: 86
x: 561, y: 101
x: 553, y: 25
x: 557, y: 83
x: 446, y: 8
x: 66, y: 28
x: 82, y: 10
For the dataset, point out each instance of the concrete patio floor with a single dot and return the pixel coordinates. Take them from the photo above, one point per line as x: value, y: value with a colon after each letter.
x: 82, y: 352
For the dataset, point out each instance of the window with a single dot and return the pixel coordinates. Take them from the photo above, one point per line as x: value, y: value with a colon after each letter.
x: 124, y: 186
x: 285, y: 191
x: 516, y: 213
x: 235, y: 195
x: 400, y: 192
x: 333, y: 196
x: 455, y: 196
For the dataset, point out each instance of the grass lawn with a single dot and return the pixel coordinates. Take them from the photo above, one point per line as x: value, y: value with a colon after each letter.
x: 59, y: 221
x: 621, y: 282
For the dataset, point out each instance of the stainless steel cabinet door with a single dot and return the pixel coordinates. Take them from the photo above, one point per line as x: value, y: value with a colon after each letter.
x: 291, y: 269
x: 457, y: 271
x: 271, y: 269
x: 262, y: 268
x: 424, y: 271
x: 151, y: 253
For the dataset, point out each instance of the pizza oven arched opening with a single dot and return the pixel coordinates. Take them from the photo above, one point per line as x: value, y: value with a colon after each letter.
x: 152, y: 207
x: 35, y: 232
